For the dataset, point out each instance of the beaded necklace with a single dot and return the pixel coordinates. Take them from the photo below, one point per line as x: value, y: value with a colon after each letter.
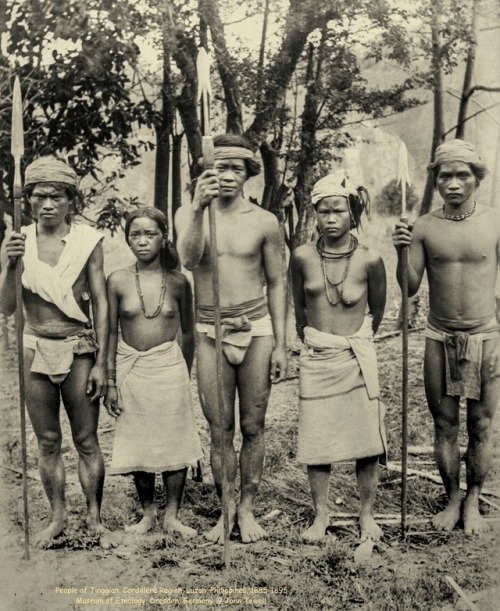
x: 459, y: 217
x: 331, y: 256
x: 141, y: 297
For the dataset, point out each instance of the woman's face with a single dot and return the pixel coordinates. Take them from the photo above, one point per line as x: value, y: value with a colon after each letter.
x: 333, y: 216
x: 145, y: 238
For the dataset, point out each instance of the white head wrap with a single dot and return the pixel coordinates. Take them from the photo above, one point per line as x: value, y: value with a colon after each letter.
x: 333, y: 185
x: 50, y: 169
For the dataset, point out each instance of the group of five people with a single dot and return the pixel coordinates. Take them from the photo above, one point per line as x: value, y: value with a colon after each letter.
x: 131, y: 340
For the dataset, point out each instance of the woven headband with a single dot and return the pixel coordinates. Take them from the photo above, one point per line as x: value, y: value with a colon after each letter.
x: 232, y: 152
x: 50, y: 169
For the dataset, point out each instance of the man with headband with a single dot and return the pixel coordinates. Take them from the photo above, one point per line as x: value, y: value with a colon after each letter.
x: 64, y: 357
x: 458, y: 245
x: 253, y: 324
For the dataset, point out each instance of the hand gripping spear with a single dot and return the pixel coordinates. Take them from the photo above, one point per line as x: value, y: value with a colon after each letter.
x: 403, y: 180
x: 207, y: 144
x: 17, y: 151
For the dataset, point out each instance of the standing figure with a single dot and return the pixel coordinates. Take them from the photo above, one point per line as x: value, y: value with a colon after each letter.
x: 458, y: 245
x: 148, y: 373
x: 64, y: 357
x: 253, y: 328
x: 335, y: 281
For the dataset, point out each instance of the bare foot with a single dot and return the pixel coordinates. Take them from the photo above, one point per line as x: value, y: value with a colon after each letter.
x: 141, y: 528
x: 250, y: 530
x: 448, y: 518
x: 45, y: 537
x: 317, y: 531
x: 370, y: 530
x: 175, y: 525
x: 474, y: 523
x: 216, y: 534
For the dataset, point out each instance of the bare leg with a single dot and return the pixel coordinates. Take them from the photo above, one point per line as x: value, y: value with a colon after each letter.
x: 145, y: 486
x: 319, y: 478
x: 207, y: 376
x: 367, y: 474
x: 174, y: 485
x: 445, y: 412
x: 42, y: 402
x: 479, y: 451
x: 84, y: 418
x: 254, y: 387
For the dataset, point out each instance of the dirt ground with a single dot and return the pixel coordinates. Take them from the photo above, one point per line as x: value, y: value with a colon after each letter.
x: 426, y: 571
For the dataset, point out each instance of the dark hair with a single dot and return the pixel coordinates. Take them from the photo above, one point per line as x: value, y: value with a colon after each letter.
x: 72, y: 193
x: 478, y: 169
x: 252, y: 165
x: 168, y: 254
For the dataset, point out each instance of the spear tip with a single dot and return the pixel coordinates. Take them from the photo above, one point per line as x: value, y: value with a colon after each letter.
x: 17, y: 142
x: 203, y: 73
x: 403, y: 171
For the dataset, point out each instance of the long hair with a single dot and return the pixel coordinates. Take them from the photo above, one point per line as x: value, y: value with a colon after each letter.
x: 168, y: 254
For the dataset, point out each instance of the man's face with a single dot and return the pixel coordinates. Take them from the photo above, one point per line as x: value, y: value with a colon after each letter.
x: 49, y: 204
x: 456, y: 182
x: 232, y: 174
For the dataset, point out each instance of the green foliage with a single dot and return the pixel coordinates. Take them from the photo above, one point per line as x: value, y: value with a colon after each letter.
x: 388, y: 201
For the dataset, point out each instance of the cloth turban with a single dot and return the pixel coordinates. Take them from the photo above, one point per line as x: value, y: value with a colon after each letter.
x: 333, y: 185
x: 50, y: 169
x: 456, y: 150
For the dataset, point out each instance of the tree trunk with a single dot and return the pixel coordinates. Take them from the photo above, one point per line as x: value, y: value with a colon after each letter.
x: 438, y: 129
x: 176, y: 177
x: 469, y: 71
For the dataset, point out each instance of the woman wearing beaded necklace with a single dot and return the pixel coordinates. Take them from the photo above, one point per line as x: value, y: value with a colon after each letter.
x: 148, y: 373
x: 339, y: 288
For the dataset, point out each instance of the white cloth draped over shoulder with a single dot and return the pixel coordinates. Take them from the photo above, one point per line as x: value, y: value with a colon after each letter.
x: 55, y: 284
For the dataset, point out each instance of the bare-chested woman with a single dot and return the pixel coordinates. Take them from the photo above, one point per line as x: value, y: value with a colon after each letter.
x: 459, y: 247
x: 335, y: 281
x: 149, y: 393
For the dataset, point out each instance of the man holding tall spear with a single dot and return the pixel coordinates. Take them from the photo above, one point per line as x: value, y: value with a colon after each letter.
x: 64, y: 358
x: 253, y: 324
x: 459, y: 247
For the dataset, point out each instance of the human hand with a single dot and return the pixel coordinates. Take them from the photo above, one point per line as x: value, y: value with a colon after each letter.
x: 15, y: 247
x: 96, y: 383
x: 207, y: 187
x: 401, y: 236
x: 494, y: 364
x: 111, y: 402
x: 278, y: 365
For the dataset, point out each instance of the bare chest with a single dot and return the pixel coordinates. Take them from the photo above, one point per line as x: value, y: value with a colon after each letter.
x: 237, y: 236
x: 50, y: 250
x: 148, y: 296
x: 460, y: 244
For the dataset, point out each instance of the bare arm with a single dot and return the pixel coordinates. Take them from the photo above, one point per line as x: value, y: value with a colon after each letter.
x: 111, y: 400
x: 97, y: 286
x: 272, y: 261
x: 189, y: 220
x: 402, y: 237
x: 377, y: 291
x: 299, y: 299
x: 12, y: 250
x: 187, y: 323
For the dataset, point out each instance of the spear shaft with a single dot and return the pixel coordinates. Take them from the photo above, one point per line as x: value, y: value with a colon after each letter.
x: 208, y: 163
x: 404, y: 179
x: 17, y: 151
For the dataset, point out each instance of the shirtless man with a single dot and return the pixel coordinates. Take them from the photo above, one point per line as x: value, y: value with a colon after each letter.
x: 459, y: 247
x: 254, y: 343
x: 61, y: 262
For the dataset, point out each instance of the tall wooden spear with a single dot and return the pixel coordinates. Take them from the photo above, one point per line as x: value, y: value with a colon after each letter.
x: 403, y: 180
x: 204, y: 94
x: 17, y: 151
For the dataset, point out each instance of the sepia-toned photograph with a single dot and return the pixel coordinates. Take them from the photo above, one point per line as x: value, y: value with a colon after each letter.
x: 250, y: 305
